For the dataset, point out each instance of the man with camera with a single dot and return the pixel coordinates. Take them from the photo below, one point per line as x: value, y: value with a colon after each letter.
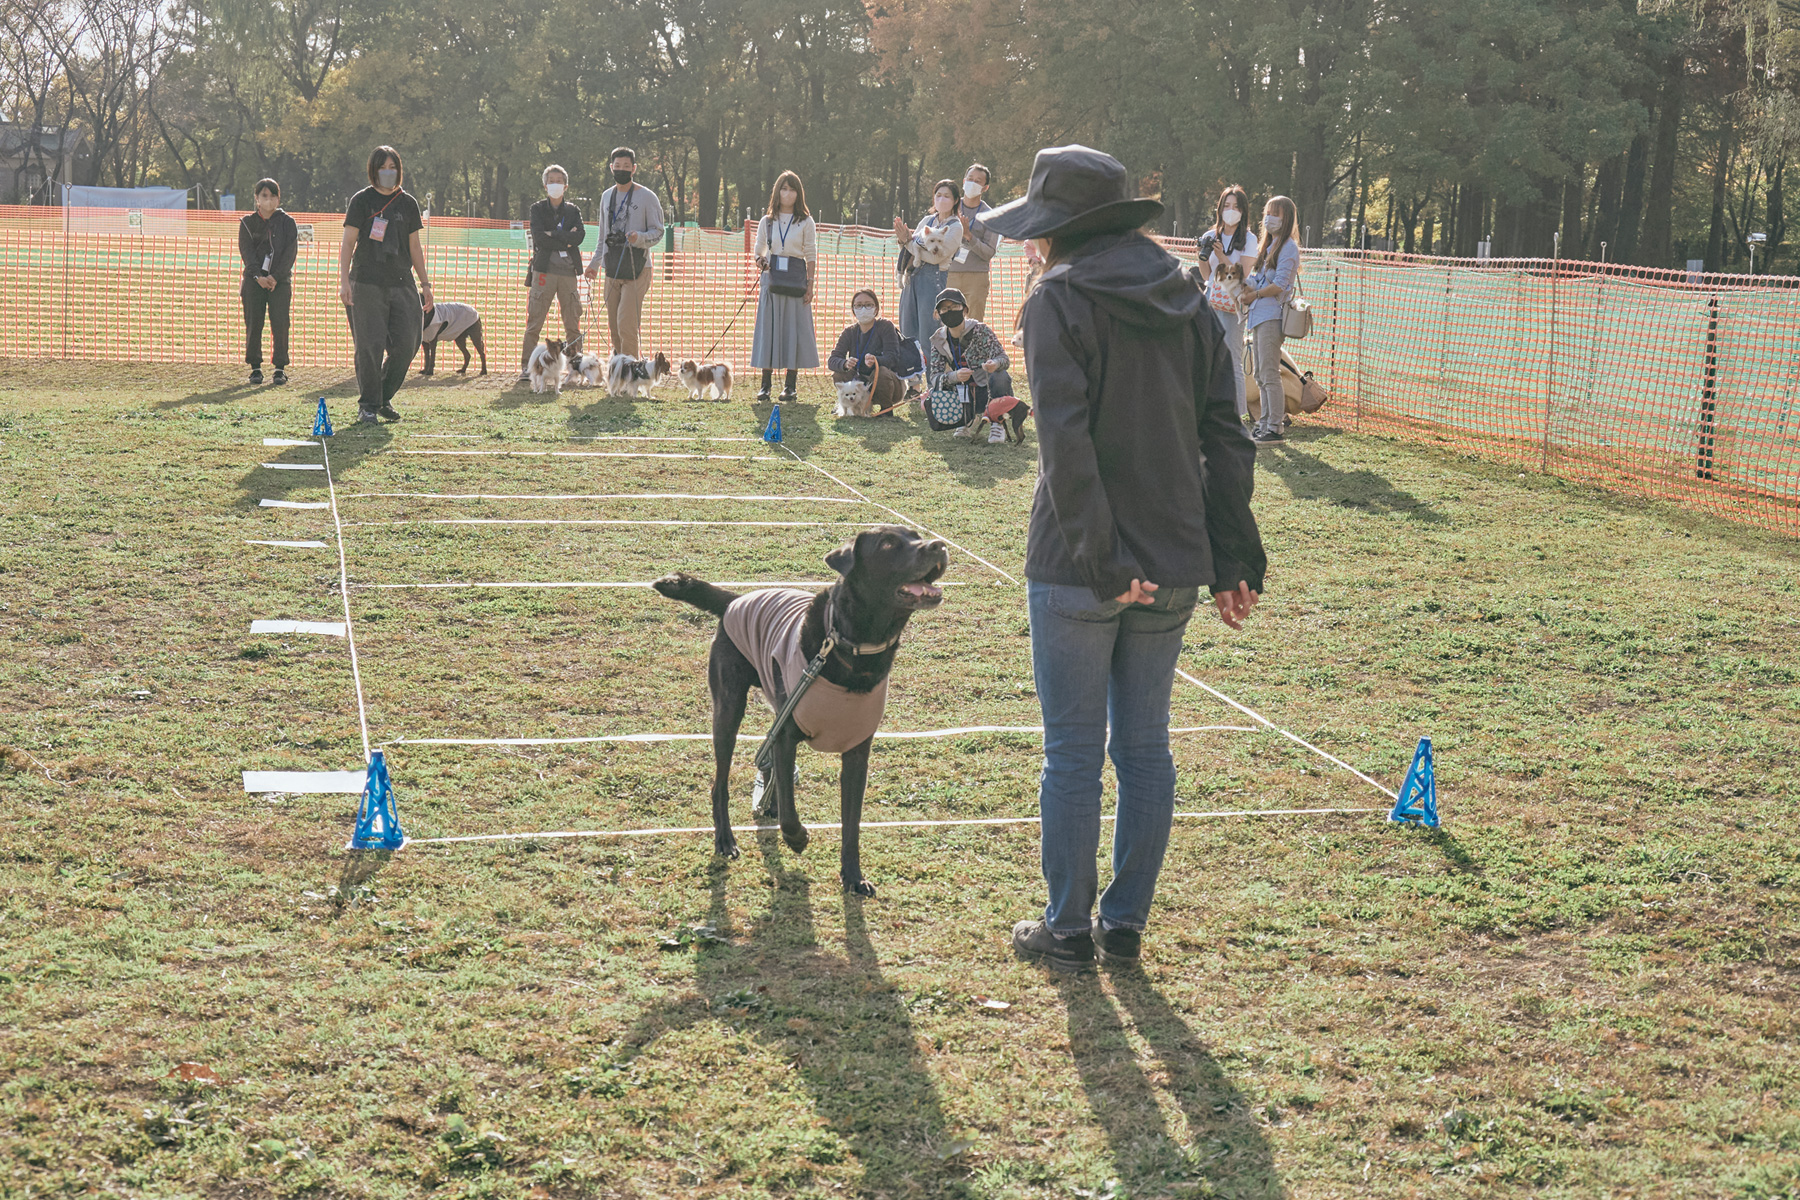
x: 630, y: 218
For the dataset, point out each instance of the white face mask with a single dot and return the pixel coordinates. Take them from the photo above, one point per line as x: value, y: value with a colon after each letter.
x: 1230, y: 217
x: 555, y: 190
x: 943, y: 204
x: 1272, y: 223
x: 971, y: 189
x: 863, y: 314
x: 387, y: 177
x: 788, y: 195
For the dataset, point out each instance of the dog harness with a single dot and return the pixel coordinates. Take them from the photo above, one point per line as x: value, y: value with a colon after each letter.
x: 765, y: 627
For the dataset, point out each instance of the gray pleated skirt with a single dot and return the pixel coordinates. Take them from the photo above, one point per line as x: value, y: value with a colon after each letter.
x: 784, y: 332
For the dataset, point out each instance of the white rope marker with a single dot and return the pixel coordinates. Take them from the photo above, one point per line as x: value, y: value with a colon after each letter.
x: 287, y: 442
x: 294, y: 466
x: 292, y: 504
x: 590, y: 496
x: 599, y: 437
x: 596, y: 521
x: 362, y: 712
x: 1254, y: 715
x: 707, y: 829
x: 588, y: 454
x: 707, y: 737
x: 729, y: 583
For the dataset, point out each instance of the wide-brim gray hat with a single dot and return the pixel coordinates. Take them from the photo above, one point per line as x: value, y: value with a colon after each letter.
x: 1074, y: 189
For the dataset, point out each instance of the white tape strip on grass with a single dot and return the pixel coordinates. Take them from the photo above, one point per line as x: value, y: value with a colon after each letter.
x: 729, y: 583
x: 293, y: 504
x: 958, y: 731
x: 588, y: 454
x: 595, y: 437
x: 362, y: 711
x: 307, y: 783
x: 328, y: 628
x: 287, y: 442
x: 707, y: 829
x: 295, y: 466
x: 597, y: 521
x: 289, y: 545
x: 904, y: 519
x: 588, y: 496
x: 1256, y: 716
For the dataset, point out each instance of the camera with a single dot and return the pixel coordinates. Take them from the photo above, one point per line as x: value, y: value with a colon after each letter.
x: 615, y: 239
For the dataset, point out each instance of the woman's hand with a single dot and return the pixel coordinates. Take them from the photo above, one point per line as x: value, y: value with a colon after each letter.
x: 963, y: 375
x: 591, y: 273
x: 1234, y: 607
x: 900, y: 229
x: 868, y: 360
x: 425, y: 300
x: 1140, y: 593
x: 991, y: 365
x: 344, y: 292
x: 266, y: 282
x: 762, y: 264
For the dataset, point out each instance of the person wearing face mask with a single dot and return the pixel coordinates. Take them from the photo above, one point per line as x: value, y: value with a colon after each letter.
x: 1277, y: 270
x: 967, y: 368
x: 268, y: 240
x: 870, y: 341
x: 382, y: 250
x: 630, y: 220
x: 1143, y: 500
x: 926, y: 252
x: 786, y: 238
x: 1229, y: 241
x: 556, y: 237
x: 968, y: 270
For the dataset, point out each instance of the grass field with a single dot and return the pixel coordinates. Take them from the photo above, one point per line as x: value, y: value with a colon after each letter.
x: 1584, y: 985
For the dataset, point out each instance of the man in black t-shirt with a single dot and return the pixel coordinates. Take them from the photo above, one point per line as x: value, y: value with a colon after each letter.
x: 380, y: 253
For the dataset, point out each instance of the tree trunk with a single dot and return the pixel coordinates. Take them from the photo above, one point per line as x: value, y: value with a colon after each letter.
x: 1574, y: 199
x: 1631, y: 198
x: 1653, y: 249
x: 706, y: 147
x: 1605, y: 227
x: 1715, y: 236
x: 1777, y: 214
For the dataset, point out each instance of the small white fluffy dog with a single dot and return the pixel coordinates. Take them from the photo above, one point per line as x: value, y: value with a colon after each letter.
x: 852, y: 399
x: 546, y: 367
x: 638, y: 377
x: 713, y: 379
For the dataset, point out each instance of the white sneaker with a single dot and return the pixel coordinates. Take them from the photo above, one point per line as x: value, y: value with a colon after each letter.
x: 996, y: 433
x: 963, y: 431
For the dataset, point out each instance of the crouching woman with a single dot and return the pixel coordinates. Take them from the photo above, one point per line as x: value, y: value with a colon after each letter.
x: 967, y: 367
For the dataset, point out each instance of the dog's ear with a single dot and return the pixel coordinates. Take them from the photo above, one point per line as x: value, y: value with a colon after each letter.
x: 843, y: 559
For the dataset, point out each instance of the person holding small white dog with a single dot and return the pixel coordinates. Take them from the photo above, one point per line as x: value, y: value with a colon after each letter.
x: 630, y: 219
x: 787, y: 254
x: 967, y: 271
x: 556, y: 237
x: 1277, y: 271
x: 1229, y: 241
x: 926, y: 252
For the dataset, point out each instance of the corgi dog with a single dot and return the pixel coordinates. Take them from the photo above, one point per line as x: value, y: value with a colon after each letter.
x: 637, y: 377
x: 547, y: 366
x: 714, y: 378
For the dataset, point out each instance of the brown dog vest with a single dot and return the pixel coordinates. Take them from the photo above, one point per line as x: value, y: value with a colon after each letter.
x: 765, y: 627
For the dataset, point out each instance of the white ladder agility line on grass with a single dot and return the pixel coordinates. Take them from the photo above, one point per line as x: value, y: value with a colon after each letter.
x: 362, y: 712
x: 896, y: 734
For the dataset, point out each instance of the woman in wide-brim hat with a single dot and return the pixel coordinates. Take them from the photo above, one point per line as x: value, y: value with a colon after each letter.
x: 1143, y: 498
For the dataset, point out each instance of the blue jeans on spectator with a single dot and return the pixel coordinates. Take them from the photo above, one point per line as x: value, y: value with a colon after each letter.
x: 1099, y: 664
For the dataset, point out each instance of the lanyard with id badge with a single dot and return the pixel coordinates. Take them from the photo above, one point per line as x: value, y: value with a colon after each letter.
x: 378, y: 228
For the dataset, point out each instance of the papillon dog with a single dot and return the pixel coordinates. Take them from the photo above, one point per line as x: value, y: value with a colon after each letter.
x: 713, y: 379
x: 546, y: 367
x: 637, y: 377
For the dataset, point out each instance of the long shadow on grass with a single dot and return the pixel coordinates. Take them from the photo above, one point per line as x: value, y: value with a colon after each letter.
x: 349, y: 446
x: 1223, y: 1145
x: 1310, y: 477
x: 800, y: 430
x: 304, y: 394
x: 836, y: 1019
x: 977, y: 464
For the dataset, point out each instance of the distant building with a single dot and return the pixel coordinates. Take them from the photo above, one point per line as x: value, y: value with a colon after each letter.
x: 34, y: 161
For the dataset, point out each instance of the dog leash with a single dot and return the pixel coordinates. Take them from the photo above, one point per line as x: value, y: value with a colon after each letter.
x: 734, y: 316
x: 765, y: 754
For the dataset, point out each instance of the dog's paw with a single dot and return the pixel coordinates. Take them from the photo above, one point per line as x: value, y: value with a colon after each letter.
x: 796, y: 838
x: 726, y: 847
x: 861, y: 887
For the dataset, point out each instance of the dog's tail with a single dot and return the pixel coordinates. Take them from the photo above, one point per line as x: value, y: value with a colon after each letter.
x: 697, y: 592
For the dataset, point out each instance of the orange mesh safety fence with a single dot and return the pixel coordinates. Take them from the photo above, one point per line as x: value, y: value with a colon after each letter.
x: 1660, y: 383
x: 1666, y: 384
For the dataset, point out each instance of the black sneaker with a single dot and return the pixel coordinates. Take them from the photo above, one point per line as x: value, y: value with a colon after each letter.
x: 256, y: 375
x: 762, y: 397
x: 787, y: 398
x: 1268, y: 435
x: 1117, y: 949
x: 280, y: 375
x: 1033, y: 942
x: 388, y: 413
x: 365, y: 416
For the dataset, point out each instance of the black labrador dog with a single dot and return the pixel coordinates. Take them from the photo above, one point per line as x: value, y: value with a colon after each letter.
x: 887, y: 574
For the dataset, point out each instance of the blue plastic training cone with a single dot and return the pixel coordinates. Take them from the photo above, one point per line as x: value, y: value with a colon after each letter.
x: 377, y: 825
x: 773, y: 432
x: 1417, y: 802
x: 322, y: 422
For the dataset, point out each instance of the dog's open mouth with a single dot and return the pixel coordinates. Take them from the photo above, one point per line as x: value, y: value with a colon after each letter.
x: 923, y: 593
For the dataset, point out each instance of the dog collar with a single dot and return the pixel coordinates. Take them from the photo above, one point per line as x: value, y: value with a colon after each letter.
x: 838, y: 641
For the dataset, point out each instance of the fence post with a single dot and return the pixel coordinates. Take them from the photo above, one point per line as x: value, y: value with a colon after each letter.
x: 1331, y: 366
x: 1550, y: 358
x: 1703, y: 468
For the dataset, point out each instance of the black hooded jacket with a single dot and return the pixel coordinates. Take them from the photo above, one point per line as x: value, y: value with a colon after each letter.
x: 1144, y: 471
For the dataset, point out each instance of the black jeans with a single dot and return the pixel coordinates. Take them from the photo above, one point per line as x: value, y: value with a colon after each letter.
x: 274, y: 301
x: 386, y: 321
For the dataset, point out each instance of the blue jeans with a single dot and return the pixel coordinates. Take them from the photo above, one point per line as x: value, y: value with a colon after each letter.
x: 1098, y: 664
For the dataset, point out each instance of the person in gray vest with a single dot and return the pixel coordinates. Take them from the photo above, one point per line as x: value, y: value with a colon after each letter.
x: 631, y: 222
x: 556, y: 237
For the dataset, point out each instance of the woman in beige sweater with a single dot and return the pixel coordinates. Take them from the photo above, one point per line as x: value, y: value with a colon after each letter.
x: 787, y: 254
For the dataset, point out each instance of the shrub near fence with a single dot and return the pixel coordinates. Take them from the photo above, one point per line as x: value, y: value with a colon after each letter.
x: 1658, y: 383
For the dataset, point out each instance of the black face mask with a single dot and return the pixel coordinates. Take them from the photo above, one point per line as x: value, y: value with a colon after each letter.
x: 622, y: 178
x: 952, y: 320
